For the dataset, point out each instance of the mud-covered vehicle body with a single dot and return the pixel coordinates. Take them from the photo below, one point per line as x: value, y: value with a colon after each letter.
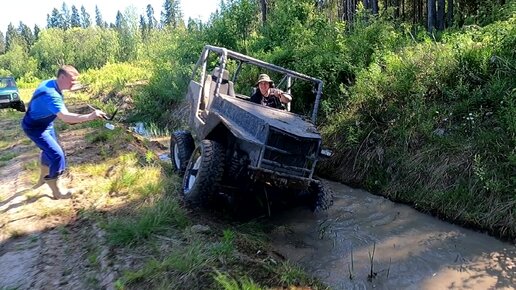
x: 235, y: 146
x: 9, y: 94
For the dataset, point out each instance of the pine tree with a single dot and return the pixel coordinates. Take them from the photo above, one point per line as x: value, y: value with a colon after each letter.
x: 65, y: 14
x: 55, y: 19
x: 143, y: 27
x: 98, y: 18
x: 36, y: 32
x: 151, y: 20
x: 10, y: 36
x: 2, y: 43
x: 171, y: 14
x: 75, y: 19
x: 85, y: 17
x: 26, y: 35
x: 119, y: 20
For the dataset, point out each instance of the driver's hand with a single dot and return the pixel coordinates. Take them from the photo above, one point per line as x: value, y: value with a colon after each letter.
x: 275, y: 92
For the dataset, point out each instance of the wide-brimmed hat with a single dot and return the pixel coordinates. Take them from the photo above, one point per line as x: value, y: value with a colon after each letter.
x: 264, y: 78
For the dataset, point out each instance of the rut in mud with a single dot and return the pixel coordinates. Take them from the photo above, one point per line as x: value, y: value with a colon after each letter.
x: 366, y: 241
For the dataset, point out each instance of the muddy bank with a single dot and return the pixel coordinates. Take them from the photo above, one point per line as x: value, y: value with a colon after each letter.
x: 366, y: 241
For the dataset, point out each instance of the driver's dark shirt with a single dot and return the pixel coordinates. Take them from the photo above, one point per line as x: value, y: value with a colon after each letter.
x: 270, y: 101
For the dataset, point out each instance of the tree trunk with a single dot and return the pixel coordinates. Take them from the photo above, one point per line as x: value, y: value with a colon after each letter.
x: 421, y: 11
x: 263, y: 4
x: 440, y: 14
x: 375, y: 7
x: 414, y: 12
x: 403, y: 10
x: 431, y: 15
x: 450, y: 13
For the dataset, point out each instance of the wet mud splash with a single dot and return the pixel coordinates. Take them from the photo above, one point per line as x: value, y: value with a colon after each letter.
x: 366, y: 241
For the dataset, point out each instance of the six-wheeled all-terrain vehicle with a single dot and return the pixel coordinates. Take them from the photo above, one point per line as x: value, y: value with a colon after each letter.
x: 239, y: 148
x: 9, y: 95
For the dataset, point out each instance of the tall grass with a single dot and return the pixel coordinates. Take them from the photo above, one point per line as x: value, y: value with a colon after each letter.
x: 433, y: 124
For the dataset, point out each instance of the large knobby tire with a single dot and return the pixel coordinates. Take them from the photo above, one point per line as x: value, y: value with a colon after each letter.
x: 181, y: 148
x: 20, y: 106
x: 203, y: 173
x: 321, y: 197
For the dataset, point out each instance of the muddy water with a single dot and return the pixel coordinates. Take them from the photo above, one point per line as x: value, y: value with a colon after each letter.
x: 366, y: 241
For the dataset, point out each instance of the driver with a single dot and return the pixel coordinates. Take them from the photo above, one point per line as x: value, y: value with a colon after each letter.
x: 268, y: 95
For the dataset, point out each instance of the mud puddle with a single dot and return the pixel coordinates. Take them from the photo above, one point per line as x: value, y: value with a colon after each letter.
x: 366, y: 241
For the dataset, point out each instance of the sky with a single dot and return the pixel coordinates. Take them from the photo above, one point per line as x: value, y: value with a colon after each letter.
x: 33, y: 12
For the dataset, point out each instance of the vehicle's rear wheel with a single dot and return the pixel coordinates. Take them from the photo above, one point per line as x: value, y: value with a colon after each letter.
x: 203, y: 172
x: 321, y: 197
x: 181, y: 148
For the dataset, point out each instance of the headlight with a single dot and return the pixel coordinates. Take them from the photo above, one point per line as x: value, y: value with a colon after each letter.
x: 15, y: 96
x: 326, y: 153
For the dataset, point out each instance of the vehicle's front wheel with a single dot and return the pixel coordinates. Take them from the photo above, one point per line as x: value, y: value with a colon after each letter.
x: 204, y: 172
x: 181, y: 147
x: 20, y: 106
x: 321, y: 197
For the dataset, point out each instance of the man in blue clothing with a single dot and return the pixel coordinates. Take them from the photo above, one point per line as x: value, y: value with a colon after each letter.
x: 38, y: 124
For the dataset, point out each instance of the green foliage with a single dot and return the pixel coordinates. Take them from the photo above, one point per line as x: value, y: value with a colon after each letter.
x: 84, y: 48
x: 453, y: 97
x: 234, y: 25
x: 169, y: 57
x: 18, y: 62
x: 113, y: 77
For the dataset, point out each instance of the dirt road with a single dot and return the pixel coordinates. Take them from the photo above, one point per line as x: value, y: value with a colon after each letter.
x: 44, y: 244
x: 366, y: 241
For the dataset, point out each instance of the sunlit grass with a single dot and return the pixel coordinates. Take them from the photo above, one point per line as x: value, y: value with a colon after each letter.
x: 229, y: 283
x: 93, y: 169
x: 53, y: 209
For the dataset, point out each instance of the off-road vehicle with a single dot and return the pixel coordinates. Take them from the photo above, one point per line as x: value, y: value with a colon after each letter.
x: 9, y: 95
x: 239, y: 148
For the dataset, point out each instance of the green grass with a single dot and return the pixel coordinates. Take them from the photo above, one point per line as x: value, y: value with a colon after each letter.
x: 186, y: 261
x: 292, y: 275
x: 229, y: 283
x: 102, y: 134
x: 225, y: 248
x: 5, y: 157
x: 156, y: 218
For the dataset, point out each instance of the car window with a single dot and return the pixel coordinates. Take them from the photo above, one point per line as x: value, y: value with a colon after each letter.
x: 7, y: 83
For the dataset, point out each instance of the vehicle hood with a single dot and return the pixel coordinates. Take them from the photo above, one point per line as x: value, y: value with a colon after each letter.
x: 5, y: 91
x: 255, y: 119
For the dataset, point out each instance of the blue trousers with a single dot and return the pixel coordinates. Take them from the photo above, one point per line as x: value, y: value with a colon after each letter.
x: 52, y: 155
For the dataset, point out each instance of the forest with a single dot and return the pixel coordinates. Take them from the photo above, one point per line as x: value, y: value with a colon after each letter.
x: 419, y: 100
